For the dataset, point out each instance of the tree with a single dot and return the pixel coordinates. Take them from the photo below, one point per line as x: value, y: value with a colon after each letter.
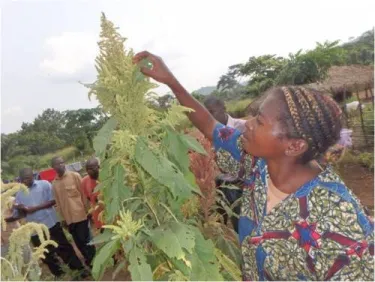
x: 229, y: 80
x: 198, y: 96
x: 361, y: 49
x: 50, y: 120
x: 82, y: 124
x: 262, y: 72
x: 311, y: 66
x: 50, y: 131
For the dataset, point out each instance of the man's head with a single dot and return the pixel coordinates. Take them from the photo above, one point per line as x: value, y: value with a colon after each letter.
x: 26, y: 176
x: 58, y: 165
x: 217, y: 109
x: 92, y: 168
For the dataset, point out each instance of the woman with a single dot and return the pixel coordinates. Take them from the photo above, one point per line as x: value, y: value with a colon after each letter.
x: 297, y: 222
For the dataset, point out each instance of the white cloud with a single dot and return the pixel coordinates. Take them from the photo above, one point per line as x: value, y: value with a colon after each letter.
x: 69, y: 53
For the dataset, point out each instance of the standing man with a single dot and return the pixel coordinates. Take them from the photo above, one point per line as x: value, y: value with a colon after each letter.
x: 217, y: 109
x: 71, y: 203
x: 37, y: 206
x: 88, y: 185
x: 230, y: 168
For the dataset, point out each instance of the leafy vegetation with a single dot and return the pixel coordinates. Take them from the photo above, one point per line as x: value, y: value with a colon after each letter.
x: 51, y: 133
x: 302, y: 67
x: 237, y: 108
x: 146, y: 184
x: 365, y: 159
x: 360, y: 50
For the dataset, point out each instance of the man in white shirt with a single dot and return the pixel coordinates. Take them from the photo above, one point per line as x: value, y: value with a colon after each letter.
x: 216, y: 107
x: 229, y: 167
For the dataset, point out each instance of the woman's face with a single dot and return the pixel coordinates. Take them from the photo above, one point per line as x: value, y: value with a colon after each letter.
x: 264, y: 136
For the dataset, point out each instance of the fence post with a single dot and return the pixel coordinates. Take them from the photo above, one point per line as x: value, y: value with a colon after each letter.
x: 345, y: 110
x: 361, y: 114
x: 372, y: 95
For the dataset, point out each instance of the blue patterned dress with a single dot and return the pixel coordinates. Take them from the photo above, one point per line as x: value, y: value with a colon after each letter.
x: 320, y: 232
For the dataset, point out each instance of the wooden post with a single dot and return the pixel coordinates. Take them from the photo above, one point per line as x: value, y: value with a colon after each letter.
x: 361, y: 114
x: 345, y: 109
x: 372, y: 95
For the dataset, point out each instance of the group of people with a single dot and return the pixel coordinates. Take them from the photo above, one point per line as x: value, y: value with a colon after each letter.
x: 63, y: 204
x: 297, y: 220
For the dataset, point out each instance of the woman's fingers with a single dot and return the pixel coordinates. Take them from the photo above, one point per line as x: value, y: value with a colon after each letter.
x: 142, y: 55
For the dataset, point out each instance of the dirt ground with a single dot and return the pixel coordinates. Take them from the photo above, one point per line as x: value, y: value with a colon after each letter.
x: 361, y: 181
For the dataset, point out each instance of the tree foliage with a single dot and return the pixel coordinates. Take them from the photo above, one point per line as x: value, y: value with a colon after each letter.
x: 50, y: 131
x: 360, y: 50
x: 298, y: 68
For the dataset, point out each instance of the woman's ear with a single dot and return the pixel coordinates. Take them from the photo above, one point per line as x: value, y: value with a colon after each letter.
x: 296, y: 147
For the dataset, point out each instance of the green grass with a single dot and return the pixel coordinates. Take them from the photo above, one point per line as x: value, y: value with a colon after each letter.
x: 351, y: 99
x: 365, y: 159
x: 237, y: 108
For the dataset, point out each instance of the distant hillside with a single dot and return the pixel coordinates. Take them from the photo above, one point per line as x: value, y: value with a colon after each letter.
x: 207, y: 90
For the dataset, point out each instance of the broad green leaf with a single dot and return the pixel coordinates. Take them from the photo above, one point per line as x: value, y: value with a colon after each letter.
x: 203, y: 261
x: 102, y: 238
x: 174, y: 239
x: 116, y: 193
x: 105, y: 170
x: 179, y: 264
x: 193, y: 144
x: 162, y: 170
x: 103, y: 258
x: 139, y: 269
x: 176, y: 150
x: 103, y: 138
x: 190, y: 177
x: 102, y: 185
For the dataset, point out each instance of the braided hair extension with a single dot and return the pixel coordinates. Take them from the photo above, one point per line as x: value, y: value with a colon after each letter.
x: 313, y: 117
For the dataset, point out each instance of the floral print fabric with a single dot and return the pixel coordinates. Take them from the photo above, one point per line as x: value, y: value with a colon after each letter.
x: 320, y: 232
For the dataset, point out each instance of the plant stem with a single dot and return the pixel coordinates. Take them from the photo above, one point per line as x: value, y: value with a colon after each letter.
x: 153, y: 211
x: 170, y: 212
x: 129, y: 199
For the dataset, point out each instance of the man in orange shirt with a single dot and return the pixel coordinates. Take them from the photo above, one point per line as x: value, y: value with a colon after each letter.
x: 71, y: 203
x: 88, y: 185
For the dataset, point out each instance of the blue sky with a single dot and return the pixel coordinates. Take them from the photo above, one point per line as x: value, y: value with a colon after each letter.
x: 48, y: 46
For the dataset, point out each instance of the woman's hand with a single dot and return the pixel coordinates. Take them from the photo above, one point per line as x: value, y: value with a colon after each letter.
x: 200, y: 117
x: 159, y: 71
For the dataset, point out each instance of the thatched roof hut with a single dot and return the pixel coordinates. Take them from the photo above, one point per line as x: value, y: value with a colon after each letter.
x: 346, y: 77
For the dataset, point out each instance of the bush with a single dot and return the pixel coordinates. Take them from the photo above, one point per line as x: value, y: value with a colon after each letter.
x: 68, y: 154
x: 237, y: 109
x: 365, y: 159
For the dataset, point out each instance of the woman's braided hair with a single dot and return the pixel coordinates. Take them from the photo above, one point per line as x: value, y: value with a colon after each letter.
x: 313, y: 117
